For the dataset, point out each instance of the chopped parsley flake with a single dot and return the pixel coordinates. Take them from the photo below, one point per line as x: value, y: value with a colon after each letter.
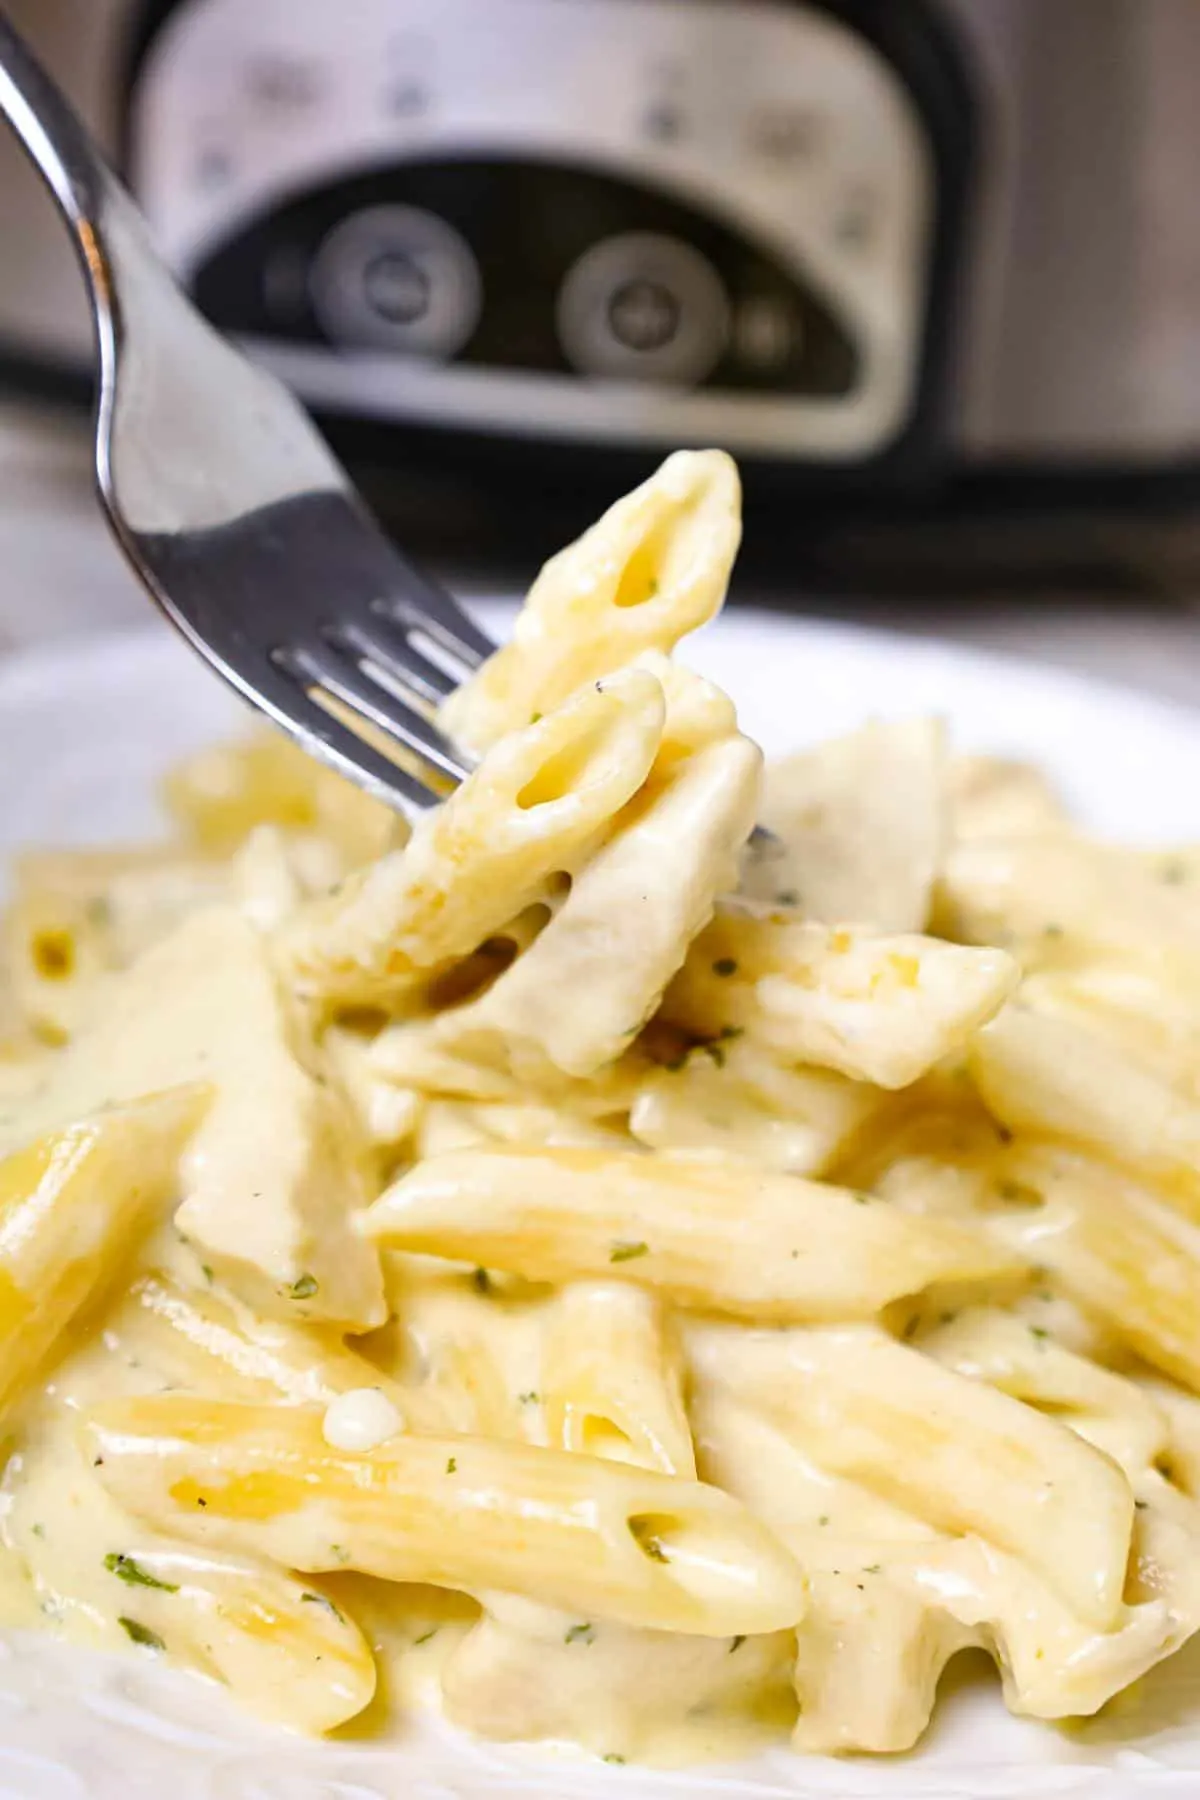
x: 626, y: 1252
x: 824, y: 1519
x: 1052, y: 930
x: 141, y: 1634
x: 787, y: 897
x: 725, y: 965
x: 39, y: 1531
x: 612, y: 1757
x: 133, y: 1575
x: 339, y: 1553
x: 580, y: 1634
x: 303, y: 1288
x: 736, y: 1643
x: 481, y: 1281
x: 873, y: 1569
x: 536, y: 718
x: 530, y: 1399
x: 1141, y: 1505
x: 452, y: 1465
x: 1039, y: 1332
x: 321, y: 1600
x: 206, y: 1271
x: 425, y: 1636
x: 863, y: 1199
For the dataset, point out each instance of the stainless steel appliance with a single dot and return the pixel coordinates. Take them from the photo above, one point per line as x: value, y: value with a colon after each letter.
x: 900, y: 249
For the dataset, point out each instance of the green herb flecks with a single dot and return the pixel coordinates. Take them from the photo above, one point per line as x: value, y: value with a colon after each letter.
x: 321, y: 1600
x: 624, y: 1251
x: 131, y: 1572
x: 580, y: 1634
x: 737, y: 1642
x: 303, y: 1288
x: 141, y: 1634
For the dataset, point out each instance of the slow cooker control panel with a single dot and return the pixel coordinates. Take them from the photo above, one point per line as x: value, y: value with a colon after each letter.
x: 646, y: 221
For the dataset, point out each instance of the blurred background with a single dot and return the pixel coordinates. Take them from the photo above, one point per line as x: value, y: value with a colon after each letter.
x: 929, y: 268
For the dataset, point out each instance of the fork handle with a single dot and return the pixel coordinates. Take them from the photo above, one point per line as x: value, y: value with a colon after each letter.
x: 56, y: 142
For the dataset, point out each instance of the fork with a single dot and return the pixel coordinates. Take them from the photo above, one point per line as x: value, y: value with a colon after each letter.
x: 229, y: 506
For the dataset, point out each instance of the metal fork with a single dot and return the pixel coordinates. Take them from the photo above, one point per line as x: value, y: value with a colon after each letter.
x: 242, y: 526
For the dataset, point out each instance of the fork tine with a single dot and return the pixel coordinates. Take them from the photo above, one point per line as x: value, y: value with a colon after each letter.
x: 424, y: 606
x: 388, y: 645
x: 322, y: 666
x: 287, y: 702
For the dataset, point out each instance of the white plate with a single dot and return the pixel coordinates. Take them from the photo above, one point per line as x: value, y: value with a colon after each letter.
x: 83, y: 733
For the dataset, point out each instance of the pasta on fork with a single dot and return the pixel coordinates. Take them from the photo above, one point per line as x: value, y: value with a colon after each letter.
x: 672, y: 1251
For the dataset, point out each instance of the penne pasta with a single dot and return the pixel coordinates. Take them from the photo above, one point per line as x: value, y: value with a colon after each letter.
x: 73, y: 1206
x: 293, y: 1654
x: 962, y: 1456
x: 653, y: 568
x: 1112, y: 1246
x: 1060, y: 900
x: 993, y: 797
x: 531, y: 810
x: 612, y: 1379
x: 766, y: 1247
x: 695, y: 821
x: 507, y: 1263
x: 745, y: 1103
x: 271, y: 1211
x: 1055, y: 1078
x: 878, y: 1009
x: 857, y: 828
x: 570, y: 1531
x: 202, y: 1340
x: 220, y: 796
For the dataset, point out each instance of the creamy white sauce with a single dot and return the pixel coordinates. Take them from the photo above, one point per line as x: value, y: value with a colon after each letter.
x: 361, y: 1420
